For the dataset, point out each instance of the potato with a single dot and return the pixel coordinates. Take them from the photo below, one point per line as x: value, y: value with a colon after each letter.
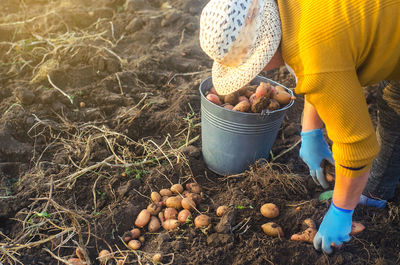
x: 188, y: 203
x: 184, y: 215
x: 272, y: 229
x: 250, y: 90
x: 214, y: 99
x: 161, y: 217
x: 282, y: 97
x: 195, y: 197
x: 141, y: 239
x: 242, y: 106
x: 202, y: 221
x: 310, y: 223
x: 228, y: 106
x: 164, y: 200
x: 329, y: 170
x: 174, y: 202
x: 269, y: 210
x: 127, y: 236
x: 76, y: 261
x: 170, y: 224
x: 260, y: 104
x: 264, y: 90
x: 193, y: 187
x: 273, y: 105
x: 243, y: 98
x: 135, y: 233
x: 252, y: 98
x: 142, y: 219
x: 170, y: 213
x: 154, y: 208
x: 155, y: 196
x: 165, y: 192
x: 213, y: 91
x: 305, y: 236
x: 232, y: 98
x: 356, y: 228
x: 243, y: 91
x: 154, y: 225
x: 134, y: 244
x: 104, y: 256
x: 157, y: 258
x: 222, y: 210
x: 176, y: 188
x: 280, y: 89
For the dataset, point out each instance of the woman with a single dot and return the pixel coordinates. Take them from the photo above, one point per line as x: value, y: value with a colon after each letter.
x: 334, y: 48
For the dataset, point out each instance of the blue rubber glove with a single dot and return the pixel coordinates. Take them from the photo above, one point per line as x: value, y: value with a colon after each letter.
x: 364, y: 200
x: 335, y: 228
x: 313, y: 150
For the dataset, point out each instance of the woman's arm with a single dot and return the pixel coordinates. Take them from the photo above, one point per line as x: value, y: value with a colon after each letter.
x: 310, y: 119
x: 348, y: 190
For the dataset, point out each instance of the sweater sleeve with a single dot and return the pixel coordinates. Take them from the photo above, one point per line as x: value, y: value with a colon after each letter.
x: 340, y: 102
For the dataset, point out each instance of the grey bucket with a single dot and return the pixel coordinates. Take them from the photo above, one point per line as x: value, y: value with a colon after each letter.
x: 232, y: 140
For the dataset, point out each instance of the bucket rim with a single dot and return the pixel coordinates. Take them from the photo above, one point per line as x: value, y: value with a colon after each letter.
x: 265, y: 112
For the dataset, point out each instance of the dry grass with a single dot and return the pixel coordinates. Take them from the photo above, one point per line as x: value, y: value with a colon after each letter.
x: 43, y: 43
x: 49, y: 224
x: 276, y: 177
x: 40, y: 44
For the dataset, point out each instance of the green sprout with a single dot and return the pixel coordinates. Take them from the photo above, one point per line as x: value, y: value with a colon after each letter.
x: 241, y: 207
x: 43, y: 214
x: 137, y: 173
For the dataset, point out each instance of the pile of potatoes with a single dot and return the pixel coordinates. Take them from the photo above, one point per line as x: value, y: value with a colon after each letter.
x: 270, y: 210
x: 169, y: 208
x: 252, y: 98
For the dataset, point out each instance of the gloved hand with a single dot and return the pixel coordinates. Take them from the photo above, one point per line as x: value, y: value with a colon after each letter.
x: 335, y: 228
x: 364, y: 200
x: 313, y: 150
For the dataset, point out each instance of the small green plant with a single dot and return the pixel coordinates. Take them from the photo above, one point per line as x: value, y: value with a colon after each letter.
x: 128, y: 171
x: 189, y: 221
x: 103, y: 195
x: 190, y: 116
x: 96, y: 213
x: 134, y: 172
x: 43, y: 214
x: 241, y: 207
x: 139, y: 173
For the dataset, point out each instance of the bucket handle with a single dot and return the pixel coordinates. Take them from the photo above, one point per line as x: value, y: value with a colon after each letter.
x: 265, y: 113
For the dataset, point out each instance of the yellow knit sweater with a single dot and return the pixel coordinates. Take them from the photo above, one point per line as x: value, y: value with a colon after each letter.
x: 335, y: 48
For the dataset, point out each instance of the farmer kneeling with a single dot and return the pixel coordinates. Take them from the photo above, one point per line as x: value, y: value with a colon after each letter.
x: 333, y: 48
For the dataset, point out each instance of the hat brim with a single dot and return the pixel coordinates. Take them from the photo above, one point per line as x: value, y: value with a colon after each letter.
x: 227, y: 80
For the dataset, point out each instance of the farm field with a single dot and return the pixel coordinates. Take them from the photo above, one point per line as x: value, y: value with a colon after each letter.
x: 100, y: 107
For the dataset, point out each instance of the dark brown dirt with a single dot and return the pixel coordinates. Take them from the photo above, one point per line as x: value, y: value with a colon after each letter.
x: 100, y: 106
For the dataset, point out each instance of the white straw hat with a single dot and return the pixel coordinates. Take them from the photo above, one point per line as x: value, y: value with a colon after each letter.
x: 241, y: 36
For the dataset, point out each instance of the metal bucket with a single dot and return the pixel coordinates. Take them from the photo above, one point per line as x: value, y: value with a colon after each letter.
x: 231, y: 140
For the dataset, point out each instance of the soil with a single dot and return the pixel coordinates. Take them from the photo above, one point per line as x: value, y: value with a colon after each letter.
x: 100, y: 106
